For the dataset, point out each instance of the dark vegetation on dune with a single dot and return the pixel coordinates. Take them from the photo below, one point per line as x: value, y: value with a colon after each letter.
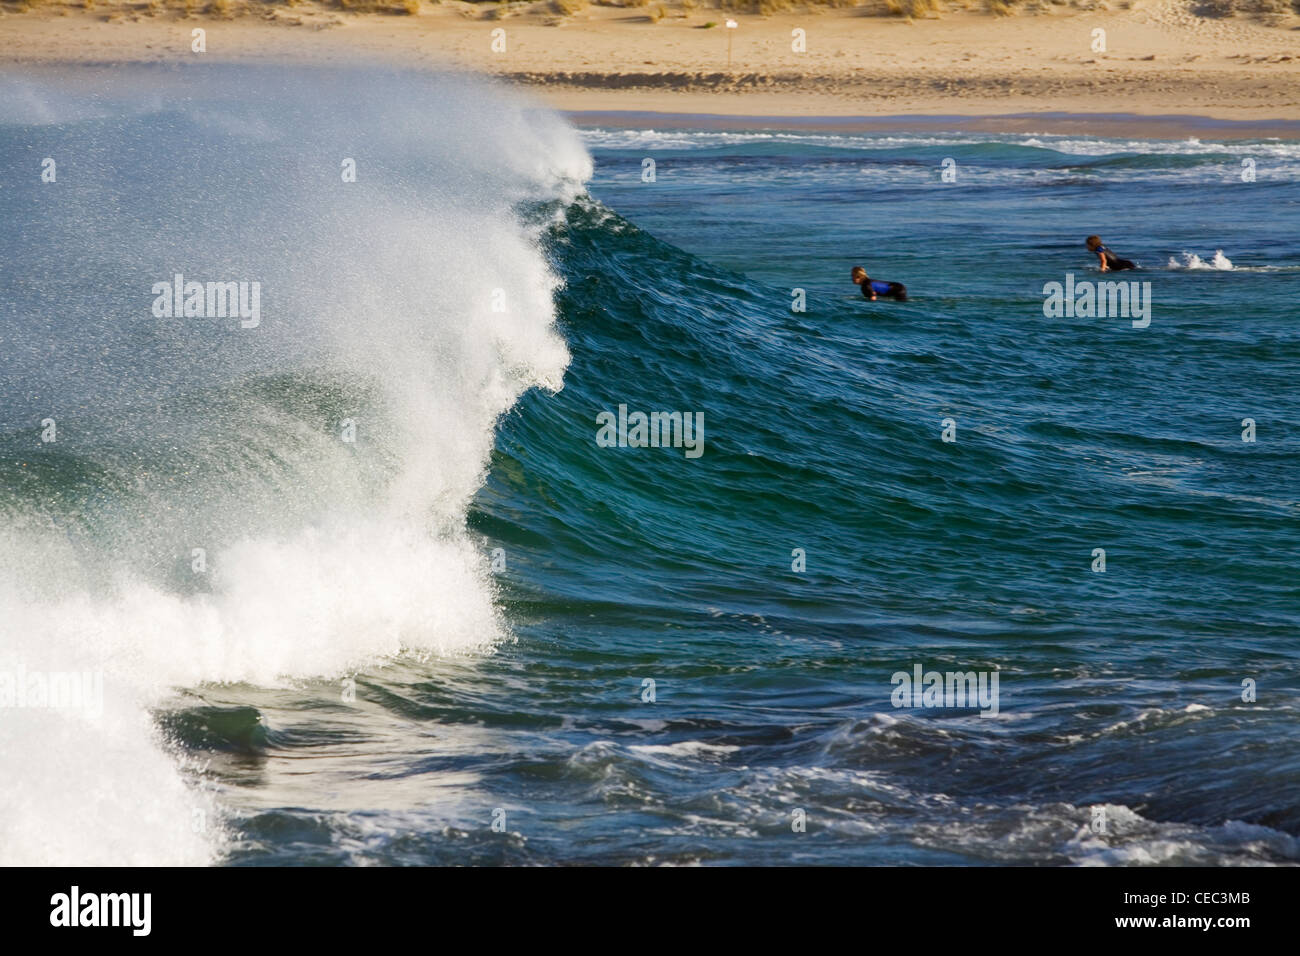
x: 1267, y: 11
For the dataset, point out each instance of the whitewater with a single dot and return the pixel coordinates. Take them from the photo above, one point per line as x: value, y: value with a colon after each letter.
x: 199, y: 516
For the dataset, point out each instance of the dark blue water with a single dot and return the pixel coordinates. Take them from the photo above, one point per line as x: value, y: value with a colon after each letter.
x: 683, y: 658
x: 1120, y: 688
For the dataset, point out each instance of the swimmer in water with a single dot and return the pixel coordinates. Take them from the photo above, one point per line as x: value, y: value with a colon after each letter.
x: 874, y: 289
x: 1109, y: 261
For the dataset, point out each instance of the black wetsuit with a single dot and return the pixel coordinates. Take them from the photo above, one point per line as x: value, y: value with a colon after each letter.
x: 884, y: 290
x: 1113, y: 262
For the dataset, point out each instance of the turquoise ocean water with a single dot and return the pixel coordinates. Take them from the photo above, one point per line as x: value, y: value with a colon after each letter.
x: 360, y: 581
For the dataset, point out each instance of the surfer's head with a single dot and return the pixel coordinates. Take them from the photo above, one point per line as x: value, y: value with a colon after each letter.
x: 859, y: 275
x: 1093, y: 242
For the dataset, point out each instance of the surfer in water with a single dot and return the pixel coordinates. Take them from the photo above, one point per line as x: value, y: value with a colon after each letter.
x: 1109, y: 261
x: 874, y: 289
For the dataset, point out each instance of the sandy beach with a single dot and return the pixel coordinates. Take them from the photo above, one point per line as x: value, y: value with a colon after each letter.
x: 959, y: 67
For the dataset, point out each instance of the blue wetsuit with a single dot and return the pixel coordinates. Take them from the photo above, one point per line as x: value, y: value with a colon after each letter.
x: 886, y: 290
x: 1113, y: 262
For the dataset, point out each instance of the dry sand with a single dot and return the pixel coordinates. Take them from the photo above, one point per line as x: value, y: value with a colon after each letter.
x: 1161, y: 60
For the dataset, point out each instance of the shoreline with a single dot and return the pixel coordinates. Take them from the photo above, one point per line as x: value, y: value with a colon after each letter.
x: 1106, y: 125
x: 687, y: 110
x: 1167, y: 72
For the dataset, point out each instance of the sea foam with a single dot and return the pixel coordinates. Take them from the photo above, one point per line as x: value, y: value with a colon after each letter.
x: 1191, y: 260
x: 201, y: 516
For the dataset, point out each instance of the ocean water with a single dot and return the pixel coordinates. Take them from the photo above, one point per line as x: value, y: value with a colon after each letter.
x: 358, y: 584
